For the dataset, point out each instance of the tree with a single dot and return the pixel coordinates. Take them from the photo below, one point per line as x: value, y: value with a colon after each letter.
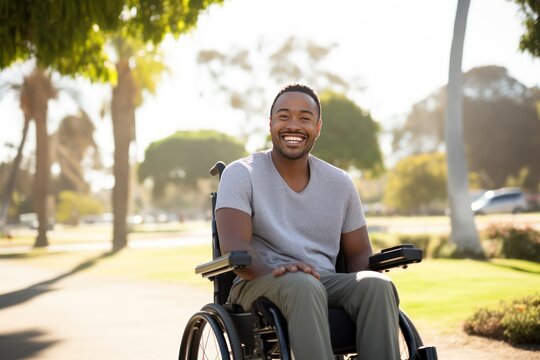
x: 36, y: 92
x: 59, y: 36
x: 243, y: 76
x: 185, y: 157
x: 74, y: 44
x: 144, y: 25
x: 417, y: 184
x: 72, y: 144
x: 463, y: 228
x: 72, y: 206
x: 349, y: 136
x: 530, y: 40
x: 494, y: 103
x: 10, y: 182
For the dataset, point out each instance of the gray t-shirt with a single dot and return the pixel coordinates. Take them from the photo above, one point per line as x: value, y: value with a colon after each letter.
x: 289, y: 226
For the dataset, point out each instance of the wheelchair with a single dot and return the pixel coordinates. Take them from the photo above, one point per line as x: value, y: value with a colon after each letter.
x: 221, y: 330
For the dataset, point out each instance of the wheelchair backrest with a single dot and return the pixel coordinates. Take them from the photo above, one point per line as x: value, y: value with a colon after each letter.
x: 223, y: 282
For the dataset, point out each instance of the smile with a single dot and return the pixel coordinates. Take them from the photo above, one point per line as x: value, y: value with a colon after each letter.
x: 293, y: 139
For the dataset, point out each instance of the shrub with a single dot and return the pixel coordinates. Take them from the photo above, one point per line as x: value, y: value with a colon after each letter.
x: 72, y: 206
x: 517, y: 321
x: 420, y: 241
x: 443, y: 248
x: 516, y: 243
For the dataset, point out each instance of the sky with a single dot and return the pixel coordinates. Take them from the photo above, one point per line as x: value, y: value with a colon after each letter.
x: 398, y: 51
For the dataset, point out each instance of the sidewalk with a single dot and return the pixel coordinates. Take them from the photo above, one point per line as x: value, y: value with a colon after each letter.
x: 59, y: 315
x: 44, y: 315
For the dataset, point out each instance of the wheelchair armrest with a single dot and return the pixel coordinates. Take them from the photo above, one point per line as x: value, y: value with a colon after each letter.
x: 397, y: 256
x: 225, y: 263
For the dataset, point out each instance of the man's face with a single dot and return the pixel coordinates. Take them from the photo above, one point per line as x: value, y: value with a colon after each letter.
x: 294, y: 125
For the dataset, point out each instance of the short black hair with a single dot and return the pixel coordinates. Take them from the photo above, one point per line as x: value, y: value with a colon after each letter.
x: 298, y: 88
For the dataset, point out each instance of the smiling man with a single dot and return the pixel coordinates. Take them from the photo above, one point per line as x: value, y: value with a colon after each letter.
x: 293, y: 213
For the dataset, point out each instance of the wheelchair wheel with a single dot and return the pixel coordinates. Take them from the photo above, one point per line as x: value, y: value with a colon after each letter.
x: 409, y: 338
x: 210, y: 334
x: 227, y: 326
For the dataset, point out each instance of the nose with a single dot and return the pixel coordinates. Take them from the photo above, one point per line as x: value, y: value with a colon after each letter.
x: 294, y: 123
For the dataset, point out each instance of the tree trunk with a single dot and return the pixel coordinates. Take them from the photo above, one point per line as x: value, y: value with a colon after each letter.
x: 10, y: 183
x: 463, y: 228
x: 123, y: 118
x: 36, y: 93
x: 41, y: 178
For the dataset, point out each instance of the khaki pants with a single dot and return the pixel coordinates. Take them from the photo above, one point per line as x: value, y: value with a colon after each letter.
x: 368, y: 297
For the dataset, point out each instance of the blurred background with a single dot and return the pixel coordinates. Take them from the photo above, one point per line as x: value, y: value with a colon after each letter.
x: 381, y: 71
x: 112, y: 113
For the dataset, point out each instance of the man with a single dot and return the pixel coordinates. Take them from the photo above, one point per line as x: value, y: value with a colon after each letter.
x: 292, y: 211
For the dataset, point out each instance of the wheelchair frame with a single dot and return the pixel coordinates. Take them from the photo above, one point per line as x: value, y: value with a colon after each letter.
x: 262, y: 332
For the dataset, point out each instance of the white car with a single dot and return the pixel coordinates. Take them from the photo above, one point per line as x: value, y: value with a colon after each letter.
x: 505, y: 200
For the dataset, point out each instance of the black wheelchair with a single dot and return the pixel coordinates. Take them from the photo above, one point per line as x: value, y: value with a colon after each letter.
x: 221, y: 330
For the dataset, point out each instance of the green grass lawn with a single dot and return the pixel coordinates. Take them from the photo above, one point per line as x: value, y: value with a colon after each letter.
x: 445, y: 292
x: 440, y: 292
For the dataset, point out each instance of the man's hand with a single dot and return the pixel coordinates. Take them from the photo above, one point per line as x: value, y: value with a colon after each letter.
x: 295, y: 268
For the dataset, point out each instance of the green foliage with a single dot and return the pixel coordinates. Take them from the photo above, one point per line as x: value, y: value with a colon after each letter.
x: 186, y: 156
x: 72, y: 206
x: 516, y: 243
x: 64, y: 35
x: 530, y: 40
x: 69, y: 36
x: 349, y: 135
x: 247, y: 75
x: 510, y: 118
x: 517, y: 321
x: 420, y: 241
x: 416, y: 182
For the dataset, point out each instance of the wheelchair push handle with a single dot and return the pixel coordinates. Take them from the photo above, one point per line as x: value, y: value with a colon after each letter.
x: 217, y: 169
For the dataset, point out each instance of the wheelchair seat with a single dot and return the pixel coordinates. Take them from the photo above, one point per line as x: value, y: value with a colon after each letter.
x: 221, y: 330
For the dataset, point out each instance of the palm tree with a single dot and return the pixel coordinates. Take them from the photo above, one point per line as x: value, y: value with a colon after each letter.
x: 126, y: 96
x: 37, y: 90
x: 463, y: 228
x: 70, y: 145
x: 9, y: 186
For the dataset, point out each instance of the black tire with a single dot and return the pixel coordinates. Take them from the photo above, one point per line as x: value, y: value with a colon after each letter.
x: 226, y: 323
x: 409, y: 338
x: 203, y: 339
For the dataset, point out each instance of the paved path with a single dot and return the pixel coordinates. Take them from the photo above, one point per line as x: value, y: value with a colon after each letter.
x: 55, y: 315
x: 49, y: 315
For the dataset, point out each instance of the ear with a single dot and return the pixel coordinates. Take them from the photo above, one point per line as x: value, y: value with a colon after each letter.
x: 319, y: 126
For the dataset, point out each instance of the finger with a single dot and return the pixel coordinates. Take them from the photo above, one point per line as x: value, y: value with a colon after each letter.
x: 279, y: 271
x: 292, y: 268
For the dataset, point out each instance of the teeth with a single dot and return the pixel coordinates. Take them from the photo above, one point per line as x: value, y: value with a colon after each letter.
x: 292, y: 138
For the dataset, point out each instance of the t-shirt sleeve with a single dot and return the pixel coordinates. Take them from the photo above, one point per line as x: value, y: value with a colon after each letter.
x: 354, y: 216
x: 235, y: 190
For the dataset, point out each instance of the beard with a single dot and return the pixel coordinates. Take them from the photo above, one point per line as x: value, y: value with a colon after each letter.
x: 294, y: 154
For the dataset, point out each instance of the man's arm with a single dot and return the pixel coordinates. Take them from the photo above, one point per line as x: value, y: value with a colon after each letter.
x: 235, y: 232
x: 356, y: 249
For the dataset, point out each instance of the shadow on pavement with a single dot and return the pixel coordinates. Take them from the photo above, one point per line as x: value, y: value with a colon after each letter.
x: 23, y: 344
x: 21, y: 296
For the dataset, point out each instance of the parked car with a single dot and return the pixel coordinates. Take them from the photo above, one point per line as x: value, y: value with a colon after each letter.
x: 505, y: 200
x: 31, y: 220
